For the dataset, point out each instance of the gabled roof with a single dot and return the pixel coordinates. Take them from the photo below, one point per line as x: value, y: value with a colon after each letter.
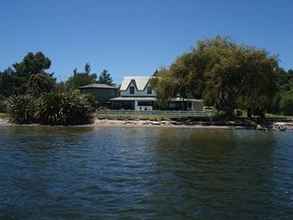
x: 97, y: 86
x: 140, y: 82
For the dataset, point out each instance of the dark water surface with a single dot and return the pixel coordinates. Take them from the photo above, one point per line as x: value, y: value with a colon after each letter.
x: 145, y: 173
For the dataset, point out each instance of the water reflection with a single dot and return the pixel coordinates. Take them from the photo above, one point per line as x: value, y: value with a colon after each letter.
x: 216, y: 173
x: 148, y: 173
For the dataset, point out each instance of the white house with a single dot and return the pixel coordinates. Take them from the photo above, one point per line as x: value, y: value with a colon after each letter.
x: 136, y: 93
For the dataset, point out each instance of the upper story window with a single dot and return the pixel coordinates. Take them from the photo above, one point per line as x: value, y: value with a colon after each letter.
x: 131, y: 90
x: 149, y: 90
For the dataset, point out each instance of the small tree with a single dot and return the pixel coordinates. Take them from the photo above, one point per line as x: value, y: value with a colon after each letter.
x: 22, y: 109
x: 65, y: 109
x: 286, y: 103
x: 105, y: 78
x: 79, y: 79
x: 39, y: 84
x: 165, y: 87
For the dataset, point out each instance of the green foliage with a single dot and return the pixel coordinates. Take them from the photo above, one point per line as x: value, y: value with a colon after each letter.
x: 65, y: 109
x: 225, y: 74
x: 32, y: 64
x: 164, y: 85
x: 40, y: 83
x: 7, y: 83
x: 60, y: 87
x: 22, y: 109
x: 31, y: 71
x: 51, y: 109
x: 286, y: 103
x: 3, y: 104
x: 105, y: 78
x: 284, y: 80
x: 79, y: 79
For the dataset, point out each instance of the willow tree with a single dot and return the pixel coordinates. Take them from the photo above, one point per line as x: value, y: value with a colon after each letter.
x: 225, y: 74
x: 260, y: 72
x: 239, y: 76
x: 164, y: 85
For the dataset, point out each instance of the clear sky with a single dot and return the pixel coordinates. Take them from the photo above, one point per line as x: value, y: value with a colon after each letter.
x: 137, y: 36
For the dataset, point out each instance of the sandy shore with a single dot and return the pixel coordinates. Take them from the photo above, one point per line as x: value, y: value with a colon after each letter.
x: 152, y: 124
x: 124, y: 123
x: 4, y: 122
x: 146, y: 123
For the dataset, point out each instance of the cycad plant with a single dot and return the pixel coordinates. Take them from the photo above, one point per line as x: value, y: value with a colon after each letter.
x: 22, y: 109
x: 65, y: 109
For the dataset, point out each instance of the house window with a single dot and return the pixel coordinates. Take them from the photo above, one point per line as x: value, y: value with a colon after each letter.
x: 131, y: 90
x: 145, y: 103
x: 149, y: 90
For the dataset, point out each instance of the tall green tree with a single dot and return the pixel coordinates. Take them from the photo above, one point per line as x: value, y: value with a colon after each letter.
x: 165, y: 86
x: 7, y: 83
x: 40, y: 83
x: 79, y: 79
x: 18, y: 79
x: 285, y: 103
x: 105, y: 78
x: 225, y: 74
x: 284, y: 93
x: 32, y: 63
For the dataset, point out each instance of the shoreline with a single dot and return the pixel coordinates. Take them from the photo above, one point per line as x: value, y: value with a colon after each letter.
x: 109, y: 123
x: 105, y: 123
x: 154, y: 124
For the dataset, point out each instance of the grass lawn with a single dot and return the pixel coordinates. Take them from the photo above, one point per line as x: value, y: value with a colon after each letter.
x: 150, y: 115
x: 4, y: 115
x: 279, y: 117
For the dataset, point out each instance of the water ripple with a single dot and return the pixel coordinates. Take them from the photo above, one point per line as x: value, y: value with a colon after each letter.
x: 145, y: 173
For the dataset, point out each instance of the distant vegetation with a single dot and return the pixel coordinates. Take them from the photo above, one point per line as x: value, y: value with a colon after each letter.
x: 228, y: 76
x: 30, y: 94
x: 86, y: 77
x: 51, y: 109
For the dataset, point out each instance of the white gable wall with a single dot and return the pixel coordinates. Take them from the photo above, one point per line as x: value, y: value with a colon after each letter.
x: 137, y: 92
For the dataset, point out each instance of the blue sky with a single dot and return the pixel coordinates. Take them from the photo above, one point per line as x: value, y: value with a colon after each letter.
x: 137, y: 36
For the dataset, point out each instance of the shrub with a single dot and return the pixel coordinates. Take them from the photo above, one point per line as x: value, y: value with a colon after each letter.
x: 3, y: 104
x: 286, y: 103
x: 51, y: 109
x: 65, y: 109
x: 22, y: 109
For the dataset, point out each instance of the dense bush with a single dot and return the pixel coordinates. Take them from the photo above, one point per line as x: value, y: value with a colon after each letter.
x: 3, y: 104
x: 22, y: 109
x: 65, y: 109
x: 51, y: 109
x: 286, y: 103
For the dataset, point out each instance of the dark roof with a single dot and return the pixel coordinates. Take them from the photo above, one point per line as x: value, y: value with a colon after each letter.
x: 97, y: 86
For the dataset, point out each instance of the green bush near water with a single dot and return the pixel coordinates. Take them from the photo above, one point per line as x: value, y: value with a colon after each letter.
x: 65, y: 109
x: 22, y: 109
x: 3, y: 104
x: 51, y: 109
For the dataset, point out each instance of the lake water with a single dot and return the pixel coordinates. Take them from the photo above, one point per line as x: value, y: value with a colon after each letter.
x: 145, y: 173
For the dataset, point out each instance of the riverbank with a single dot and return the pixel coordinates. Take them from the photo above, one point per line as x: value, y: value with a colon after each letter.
x: 275, y: 123
x: 148, y: 123
x: 125, y: 123
x: 4, y: 122
x: 105, y: 123
x: 198, y: 124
